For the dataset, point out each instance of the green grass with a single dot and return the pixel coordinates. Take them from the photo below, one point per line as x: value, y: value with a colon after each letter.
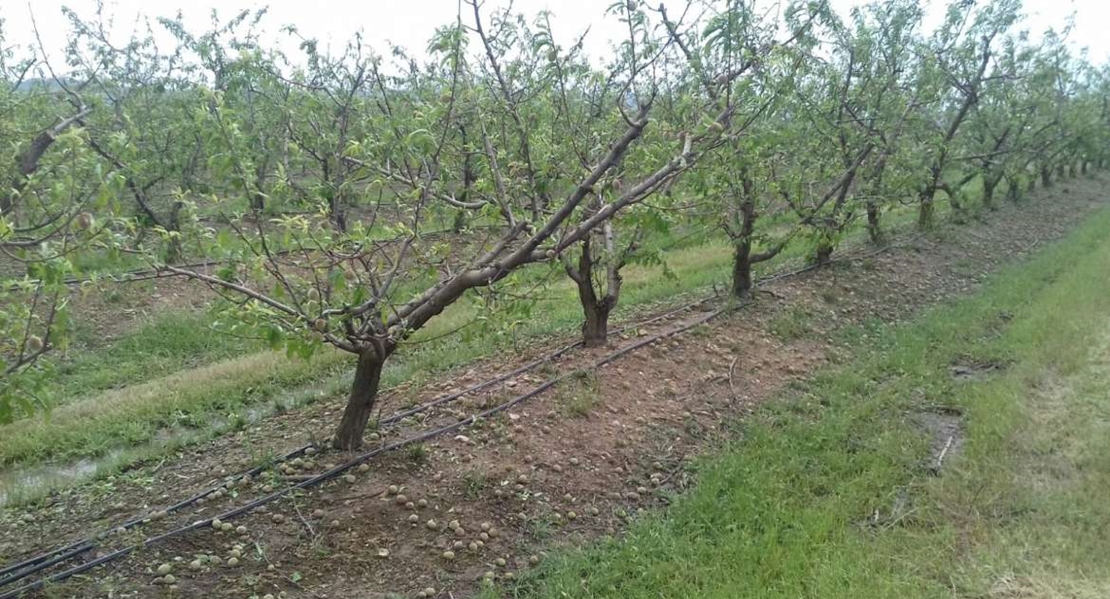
x: 162, y: 346
x: 579, y: 396
x: 785, y: 510
x: 205, y: 400
x: 793, y: 323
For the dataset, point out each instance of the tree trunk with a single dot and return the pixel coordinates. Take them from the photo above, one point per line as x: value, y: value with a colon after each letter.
x: 823, y: 255
x: 1046, y: 176
x: 874, y: 230
x: 595, y: 310
x: 459, y: 222
x: 1061, y: 171
x: 742, y: 268
x: 339, y: 217
x: 988, y: 193
x: 959, y: 213
x: 1071, y: 170
x: 595, y: 327
x: 467, y: 183
x: 257, y: 198
x: 29, y: 160
x: 742, y: 243
x: 1013, y: 189
x: 360, y: 402
x: 595, y: 324
x: 925, y: 213
x: 173, y: 250
x: 1084, y: 167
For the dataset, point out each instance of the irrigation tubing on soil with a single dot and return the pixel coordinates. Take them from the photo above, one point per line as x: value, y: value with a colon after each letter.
x: 336, y: 471
x: 18, y: 571
x: 12, y: 573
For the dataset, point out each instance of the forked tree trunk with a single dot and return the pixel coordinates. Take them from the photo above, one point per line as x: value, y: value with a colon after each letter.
x: 743, y: 260
x: 595, y: 310
x: 360, y: 401
x: 595, y: 326
x: 927, y: 199
x: 596, y: 307
x: 833, y: 225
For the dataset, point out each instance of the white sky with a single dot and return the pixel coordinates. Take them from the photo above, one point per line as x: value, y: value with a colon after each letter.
x: 409, y: 23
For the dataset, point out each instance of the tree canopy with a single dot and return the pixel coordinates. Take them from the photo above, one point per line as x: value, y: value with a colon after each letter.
x: 346, y: 198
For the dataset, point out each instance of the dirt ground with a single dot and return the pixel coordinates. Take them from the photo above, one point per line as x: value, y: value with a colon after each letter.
x: 571, y: 465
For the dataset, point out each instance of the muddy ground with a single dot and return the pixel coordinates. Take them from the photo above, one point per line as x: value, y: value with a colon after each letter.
x: 573, y: 464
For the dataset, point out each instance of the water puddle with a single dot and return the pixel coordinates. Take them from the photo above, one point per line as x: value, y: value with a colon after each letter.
x: 21, y: 484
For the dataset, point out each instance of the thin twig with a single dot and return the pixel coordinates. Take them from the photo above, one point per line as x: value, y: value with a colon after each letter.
x: 731, y: 372
x: 943, y: 452
x: 307, y: 524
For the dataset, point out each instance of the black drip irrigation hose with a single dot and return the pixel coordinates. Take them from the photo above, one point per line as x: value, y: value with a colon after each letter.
x: 18, y: 571
x: 14, y: 572
x: 325, y: 476
x: 57, y: 556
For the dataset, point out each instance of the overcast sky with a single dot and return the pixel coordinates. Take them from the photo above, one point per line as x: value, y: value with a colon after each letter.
x: 409, y: 23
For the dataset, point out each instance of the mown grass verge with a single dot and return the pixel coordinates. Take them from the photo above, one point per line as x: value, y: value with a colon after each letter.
x: 826, y: 492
